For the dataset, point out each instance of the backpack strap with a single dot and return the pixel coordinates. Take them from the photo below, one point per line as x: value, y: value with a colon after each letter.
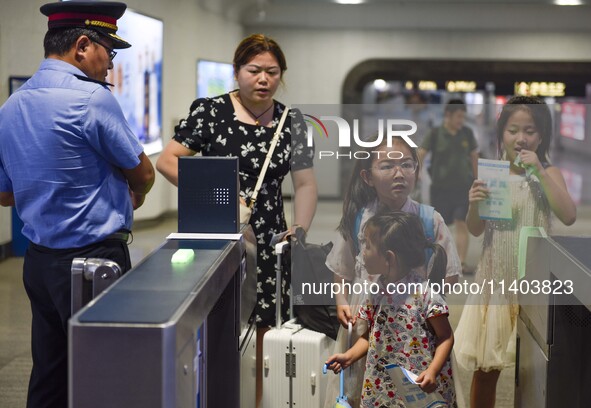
x: 433, y: 139
x: 435, y: 132
x: 426, y: 213
x: 356, y: 229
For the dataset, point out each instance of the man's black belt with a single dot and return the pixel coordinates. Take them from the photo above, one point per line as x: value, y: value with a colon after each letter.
x: 121, y: 235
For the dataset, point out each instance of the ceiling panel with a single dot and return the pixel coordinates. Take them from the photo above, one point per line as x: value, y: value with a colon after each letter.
x: 539, y: 15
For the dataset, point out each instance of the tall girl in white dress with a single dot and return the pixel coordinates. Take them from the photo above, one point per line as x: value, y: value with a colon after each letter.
x: 486, y: 332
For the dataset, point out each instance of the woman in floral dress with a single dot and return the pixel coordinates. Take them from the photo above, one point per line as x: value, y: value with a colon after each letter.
x: 241, y: 124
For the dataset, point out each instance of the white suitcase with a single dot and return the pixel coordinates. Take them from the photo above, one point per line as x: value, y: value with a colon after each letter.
x: 293, y: 358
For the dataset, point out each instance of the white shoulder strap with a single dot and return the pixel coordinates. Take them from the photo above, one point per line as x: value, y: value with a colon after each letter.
x: 255, y: 193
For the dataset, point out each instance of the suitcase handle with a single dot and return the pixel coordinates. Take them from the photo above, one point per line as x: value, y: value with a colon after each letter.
x: 349, y: 334
x: 278, y: 251
x: 349, y: 345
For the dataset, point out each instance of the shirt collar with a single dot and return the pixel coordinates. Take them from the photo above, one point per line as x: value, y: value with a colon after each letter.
x: 407, y: 206
x: 59, y: 65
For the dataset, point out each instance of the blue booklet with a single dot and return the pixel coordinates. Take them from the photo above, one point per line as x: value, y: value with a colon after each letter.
x: 498, y: 204
x: 409, y: 390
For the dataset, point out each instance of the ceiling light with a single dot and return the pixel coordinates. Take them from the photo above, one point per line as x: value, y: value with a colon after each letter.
x: 350, y: 1
x: 380, y: 85
x: 568, y: 2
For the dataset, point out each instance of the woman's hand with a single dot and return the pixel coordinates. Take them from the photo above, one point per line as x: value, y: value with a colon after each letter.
x: 292, y: 230
x: 427, y: 380
x: 478, y: 192
x: 168, y: 162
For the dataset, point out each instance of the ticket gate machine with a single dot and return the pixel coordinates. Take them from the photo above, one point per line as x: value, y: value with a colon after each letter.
x: 554, y: 324
x: 168, y: 335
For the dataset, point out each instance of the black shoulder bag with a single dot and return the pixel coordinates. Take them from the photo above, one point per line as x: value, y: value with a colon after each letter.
x: 315, y: 311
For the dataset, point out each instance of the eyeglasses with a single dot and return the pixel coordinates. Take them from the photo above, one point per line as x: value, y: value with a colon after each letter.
x: 389, y: 167
x: 110, y: 51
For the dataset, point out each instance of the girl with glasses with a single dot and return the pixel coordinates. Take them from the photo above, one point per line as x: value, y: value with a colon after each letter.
x: 384, y: 180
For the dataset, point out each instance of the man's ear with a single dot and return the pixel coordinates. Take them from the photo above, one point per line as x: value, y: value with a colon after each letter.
x: 82, y: 45
x: 366, y: 176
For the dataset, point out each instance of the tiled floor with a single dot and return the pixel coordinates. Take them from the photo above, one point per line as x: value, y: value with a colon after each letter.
x: 15, y: 361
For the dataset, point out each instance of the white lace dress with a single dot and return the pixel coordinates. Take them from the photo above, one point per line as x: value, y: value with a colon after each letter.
x: 485, y: 336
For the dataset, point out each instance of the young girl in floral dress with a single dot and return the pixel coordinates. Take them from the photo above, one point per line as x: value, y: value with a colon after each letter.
x: 407, y: 326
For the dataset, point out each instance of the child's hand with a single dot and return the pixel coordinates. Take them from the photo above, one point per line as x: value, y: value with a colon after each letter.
x: 427, y: 381
x: 344, y: 315
x: 337, y: 362
x: 478, y: 191
x: 530, y: 159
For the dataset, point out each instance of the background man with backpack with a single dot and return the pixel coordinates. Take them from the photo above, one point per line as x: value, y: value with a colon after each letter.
x: 454, y: 165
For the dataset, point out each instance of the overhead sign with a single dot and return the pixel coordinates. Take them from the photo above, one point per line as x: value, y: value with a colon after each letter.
x: 427, y: 85
x: 460, y: 86
x: 540, y: 88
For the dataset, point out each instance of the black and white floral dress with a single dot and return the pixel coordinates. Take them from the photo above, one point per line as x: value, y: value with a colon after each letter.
x: 212, y: 129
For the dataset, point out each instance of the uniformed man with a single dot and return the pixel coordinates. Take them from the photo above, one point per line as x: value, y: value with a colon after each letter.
x: 75, y: 172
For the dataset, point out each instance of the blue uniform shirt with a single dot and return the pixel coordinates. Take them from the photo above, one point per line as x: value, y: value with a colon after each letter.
x: 63, y: 142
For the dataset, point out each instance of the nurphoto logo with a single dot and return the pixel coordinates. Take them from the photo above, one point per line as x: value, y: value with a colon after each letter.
x: 387, y: 128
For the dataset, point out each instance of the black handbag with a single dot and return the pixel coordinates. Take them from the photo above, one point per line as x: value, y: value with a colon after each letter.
x: 315, y: 310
